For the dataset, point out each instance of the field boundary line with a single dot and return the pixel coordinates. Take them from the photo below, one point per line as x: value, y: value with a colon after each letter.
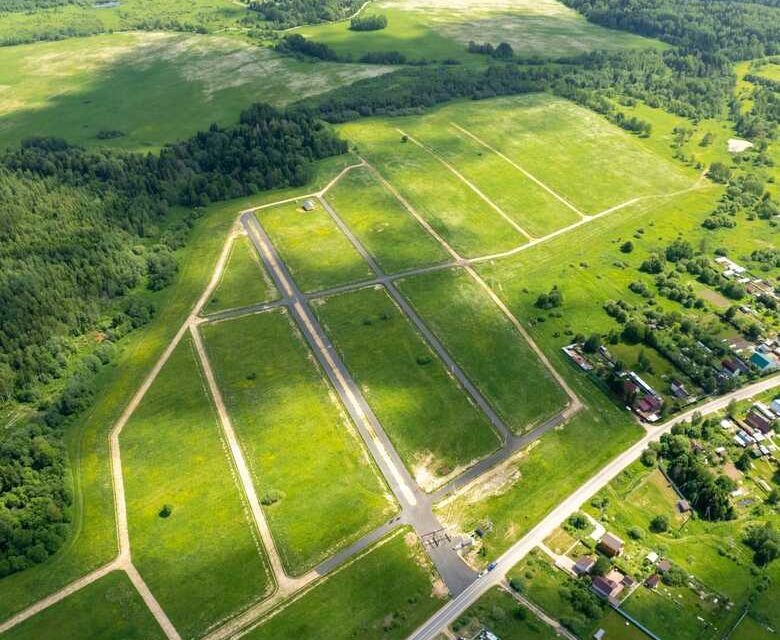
x: 526, y: 173
x: 57, y: 596
x: 469, y: 184
x: 575, y: 404
x: 151, y: 602
x: 284, y: 582
x: 464, y: 381
x: 579, y: 223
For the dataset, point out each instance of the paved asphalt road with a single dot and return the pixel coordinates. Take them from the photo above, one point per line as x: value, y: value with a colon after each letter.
x: 522, y: 547
x: 415, y: 507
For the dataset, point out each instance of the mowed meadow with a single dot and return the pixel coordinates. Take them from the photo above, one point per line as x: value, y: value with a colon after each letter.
x: 441, y: 30
x: 139, y: 90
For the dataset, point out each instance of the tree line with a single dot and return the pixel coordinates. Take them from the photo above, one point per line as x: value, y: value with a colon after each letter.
x: 290, y: 13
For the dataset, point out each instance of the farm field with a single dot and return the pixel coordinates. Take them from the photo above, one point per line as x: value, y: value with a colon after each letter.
x: 245, y: 280
x: 108, y: 608
x: 490, y: 350
x: 498, y: 611
x: 537, y: 211
x: 143, y: 89
x: 427, y: 416
x: 173, y: 454
x: 437, y: 30
x: 319, y: 489
x: 532, y: 129
x: 454, y: 210
x: 387, y: 230
x: 383, y: 595
x: 315, y: 251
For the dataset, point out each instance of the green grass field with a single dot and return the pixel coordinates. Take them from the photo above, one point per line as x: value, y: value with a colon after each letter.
x: 245, y: 280
x: 444, y: 201
x: 153, y: 87
x: 516, y: 496
x: 385, y: 228
x: 68, y: 20
x: 437, y: 30
x: 173, y: 453
x: 383, y: 595
x: 498, y: 611
x: 315, y: 251
x: 570, y: 149
x: 108, y: 608
x: 93, y: 539
x: 431, y: 422
x: 537, y: 211
x: 306, y: 457
x: 491, y: 351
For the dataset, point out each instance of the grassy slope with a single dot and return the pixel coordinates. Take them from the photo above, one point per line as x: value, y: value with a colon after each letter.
x: 245, y: 280
x: 386, y: 229
x: 486, y: 345
x: 421, y: 408
x: 570, y: 149
x: 437, y: 31
x: 530, y: 206
x: 384, y: 594
x: 154, y: 87
x: 454, y: 210
x: 173, y: 453
x: 299, y: 442
x: 93, y: 541
x: 108, y: 608
x: 315, y: 251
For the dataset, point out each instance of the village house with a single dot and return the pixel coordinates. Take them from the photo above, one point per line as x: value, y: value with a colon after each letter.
x: 584, y: 565
x: 761, y: 418
x: 652, y: 581
x: 764, y: 362
x: 608, y: 586
x: 611, y: 545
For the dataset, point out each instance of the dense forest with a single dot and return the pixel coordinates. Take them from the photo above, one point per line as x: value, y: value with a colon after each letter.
x: 290, y: 13
x: 7, y: 6
x: 83, y: 234
x: 701, y: 28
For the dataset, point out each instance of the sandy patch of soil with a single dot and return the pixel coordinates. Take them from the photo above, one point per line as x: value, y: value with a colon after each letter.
x: 735, y: 145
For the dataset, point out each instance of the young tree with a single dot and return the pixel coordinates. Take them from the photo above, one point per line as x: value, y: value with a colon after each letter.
x: 659, y: 524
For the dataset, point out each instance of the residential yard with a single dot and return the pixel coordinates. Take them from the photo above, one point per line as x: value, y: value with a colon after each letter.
x: 533, y: 208
x: 382, y: 595
x: 436, y: 430
x: 244, y: 281
x: 108, y: 608
x: 491, y: 351
x: 173, y: 454
x: 147, y: 88
x: 498, y: 611
x: 387, y: 230
x: 456, y: 212
x: 319, y: 489
x: 315, y: 251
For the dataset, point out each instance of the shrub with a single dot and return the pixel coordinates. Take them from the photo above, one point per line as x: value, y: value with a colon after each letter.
x: 659, y: 524
x: 166, y: 511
